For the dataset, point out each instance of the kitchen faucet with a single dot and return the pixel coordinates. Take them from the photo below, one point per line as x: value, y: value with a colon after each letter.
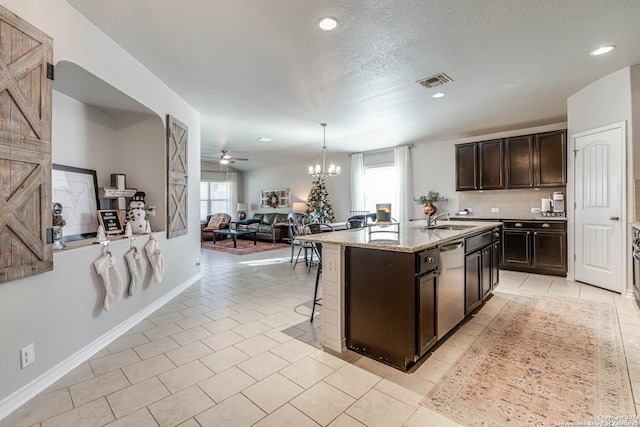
x: 431, y: 219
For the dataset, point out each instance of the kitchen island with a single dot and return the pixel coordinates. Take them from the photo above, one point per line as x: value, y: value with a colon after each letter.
x: 380, y: 285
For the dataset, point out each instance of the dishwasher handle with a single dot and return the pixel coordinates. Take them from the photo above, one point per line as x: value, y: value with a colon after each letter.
x: 451, y: 247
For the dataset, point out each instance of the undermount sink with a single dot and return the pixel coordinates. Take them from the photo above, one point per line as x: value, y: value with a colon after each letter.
x: 449, y: 227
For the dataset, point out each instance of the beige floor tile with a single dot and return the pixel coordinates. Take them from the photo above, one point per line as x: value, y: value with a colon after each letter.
x: 286, y: 416
x: 378, y: 409
x: 353, y: 380
x: 154, y: 348
x: 223, y: 324
x: 148, y: 368
x: 306, y: 372
x: 329, y: 359
x: 220, y: 313
x: 101, y: 386
x: 224, y: 359
x: 426, y: 417
x: 256, y: 345
x: 236, y: 411
x: 139, y: 418
x: 96, y: 413
x: 345, y: 420
x: 272, y: 392
x: 195, y: 310
x: 180, y: 406
x: 432, y: 369
x: 283, y: 335
x: 226, y: 384
x: 222, y: 340
x: 82, y: 373
x: 192, y: 335
x: 399, y: 392
x: 137, y: 396
x: 263, y: 365
x: 193, y: 321
x: 293, y: 350
x: 191, y: 422
x: 40, y: 408
x: 268, y: 309
x: 114, y: 361
x: 185, y: 376
x: 323, y: 403
x: 448, y: 353
x: 127, y: 341
x: 163, y: 319
x: 277, y: 319
x: 251, y: 329
x: 188, y: 353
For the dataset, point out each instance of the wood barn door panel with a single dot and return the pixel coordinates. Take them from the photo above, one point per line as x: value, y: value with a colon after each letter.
x: 178, y: 176
x: 25, y: 148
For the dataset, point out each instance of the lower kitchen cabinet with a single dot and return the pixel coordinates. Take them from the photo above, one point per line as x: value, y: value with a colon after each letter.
x: 535, y: 247
x: 472, y: 281
x: 426, y: 299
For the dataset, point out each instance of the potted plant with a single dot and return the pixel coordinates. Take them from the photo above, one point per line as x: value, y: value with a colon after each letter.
x: 428, y: 202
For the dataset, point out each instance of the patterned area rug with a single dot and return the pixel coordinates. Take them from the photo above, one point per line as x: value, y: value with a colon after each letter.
x: 245, y: 246
x: 541, y: 360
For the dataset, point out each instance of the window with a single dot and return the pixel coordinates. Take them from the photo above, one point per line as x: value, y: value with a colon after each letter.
x: 380, y: 186
x: 214, y: 197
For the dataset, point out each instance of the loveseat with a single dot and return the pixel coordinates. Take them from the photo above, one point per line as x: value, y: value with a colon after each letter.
x: 268, y: 226
x: 217, y: 221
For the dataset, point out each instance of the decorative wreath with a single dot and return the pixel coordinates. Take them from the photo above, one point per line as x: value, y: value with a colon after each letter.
x: 273, y: 200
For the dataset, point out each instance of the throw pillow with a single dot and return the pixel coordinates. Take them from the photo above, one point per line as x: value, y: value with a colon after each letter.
x: 215, y: 222
x: 249, y: 221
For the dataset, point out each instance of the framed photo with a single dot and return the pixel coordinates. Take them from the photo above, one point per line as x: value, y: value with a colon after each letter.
x: 76, y: 190
x: 110, y: 220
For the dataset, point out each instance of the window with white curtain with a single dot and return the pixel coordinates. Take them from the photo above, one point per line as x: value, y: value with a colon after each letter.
x: 215, y: 197
x: 379, y: 186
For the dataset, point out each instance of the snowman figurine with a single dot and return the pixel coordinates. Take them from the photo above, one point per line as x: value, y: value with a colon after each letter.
x: 136, y: 213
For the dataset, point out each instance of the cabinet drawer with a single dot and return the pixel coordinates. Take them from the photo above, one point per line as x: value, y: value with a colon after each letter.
x: 536, y: 225
x: 477, y: 242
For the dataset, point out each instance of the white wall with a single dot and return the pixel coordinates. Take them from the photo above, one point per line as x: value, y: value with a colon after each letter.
x: 296, y: 177
x: 60, y: 311
x: 603, y: 102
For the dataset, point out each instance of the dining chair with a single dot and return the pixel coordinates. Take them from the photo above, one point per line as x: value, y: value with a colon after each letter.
x: 315, y: 229
x: 297, y: 228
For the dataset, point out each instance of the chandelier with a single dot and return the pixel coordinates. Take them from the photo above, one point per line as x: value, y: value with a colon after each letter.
x: 321, y: 170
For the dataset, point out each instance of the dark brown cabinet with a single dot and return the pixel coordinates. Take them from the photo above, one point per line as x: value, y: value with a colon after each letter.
x: 480, y: 165
x: 528, y: 161
x: 478, y: 269
x: 535, y: 247
x: 426, y: 298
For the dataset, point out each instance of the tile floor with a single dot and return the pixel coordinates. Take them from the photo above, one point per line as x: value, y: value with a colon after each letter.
x: 237, y: 349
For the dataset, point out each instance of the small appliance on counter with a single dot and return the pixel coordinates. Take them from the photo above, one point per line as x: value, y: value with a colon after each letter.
x: 558, y: 202
x: 546, y: 206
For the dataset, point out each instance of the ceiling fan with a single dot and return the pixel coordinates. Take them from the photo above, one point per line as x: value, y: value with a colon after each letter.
x: 226, y: 158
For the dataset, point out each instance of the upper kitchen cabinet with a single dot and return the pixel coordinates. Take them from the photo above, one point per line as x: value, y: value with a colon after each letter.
x: 550, y: 159
x: 528, y: 161
x: 479, y: 165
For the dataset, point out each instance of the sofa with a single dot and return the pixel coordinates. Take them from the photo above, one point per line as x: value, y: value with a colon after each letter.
x: 217, y: 221
x: 268, y: 226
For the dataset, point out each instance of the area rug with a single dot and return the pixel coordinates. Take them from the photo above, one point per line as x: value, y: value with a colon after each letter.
x: 245, y: 246
x: 541, y: 360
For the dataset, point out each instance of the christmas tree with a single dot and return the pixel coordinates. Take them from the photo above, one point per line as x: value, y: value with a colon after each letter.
x: 318, y: 205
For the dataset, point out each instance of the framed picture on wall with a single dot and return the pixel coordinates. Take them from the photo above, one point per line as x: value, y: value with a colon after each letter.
x: 76, y: 190
x: 275, y: 198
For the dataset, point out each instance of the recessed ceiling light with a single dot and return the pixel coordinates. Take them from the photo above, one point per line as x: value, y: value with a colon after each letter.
x: 438, y: 95
x: 602, y: 50
x: 264, y: 139
x: 328, y: 23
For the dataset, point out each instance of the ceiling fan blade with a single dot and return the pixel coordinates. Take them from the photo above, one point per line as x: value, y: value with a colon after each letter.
x: 244, y: 160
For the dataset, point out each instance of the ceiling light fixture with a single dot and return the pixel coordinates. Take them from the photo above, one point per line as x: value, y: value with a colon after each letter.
x: 224, y: 161
x: 328, y: 23
x: 264, y: 139
x: 321, y: 169
x: 438, y: 95
x: 602, y: 50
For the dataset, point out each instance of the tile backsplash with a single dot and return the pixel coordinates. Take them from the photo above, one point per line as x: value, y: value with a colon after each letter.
x: 509, y: 202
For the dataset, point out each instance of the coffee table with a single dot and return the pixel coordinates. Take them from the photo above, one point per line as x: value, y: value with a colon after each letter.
x: 234, y: 233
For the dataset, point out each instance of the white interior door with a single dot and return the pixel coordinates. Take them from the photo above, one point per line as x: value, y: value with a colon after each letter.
x: 598, y: 193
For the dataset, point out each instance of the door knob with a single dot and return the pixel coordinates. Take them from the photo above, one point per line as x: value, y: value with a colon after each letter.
x: 614, y: 218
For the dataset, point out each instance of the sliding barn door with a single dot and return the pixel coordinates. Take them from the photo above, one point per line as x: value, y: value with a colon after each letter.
x: 178, y: 176
x: 25, y: 148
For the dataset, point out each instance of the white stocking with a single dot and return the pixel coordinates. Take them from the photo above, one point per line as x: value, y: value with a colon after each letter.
x: 155, y: 259
x: 106, y: 268
x: 134, y: 262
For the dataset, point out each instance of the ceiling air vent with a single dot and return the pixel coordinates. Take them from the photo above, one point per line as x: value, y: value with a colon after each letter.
x: 435, y: 81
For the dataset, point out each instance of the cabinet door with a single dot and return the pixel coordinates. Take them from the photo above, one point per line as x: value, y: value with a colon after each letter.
x: 485, y: 277
x: 466, y: 162
x: 519, y: 161
x: 495, y: 265
x: 516, y: 248
x: 491, y: 164
x: 550, y: 250
x: 472, y: 267
x: 426, y: 336
x: 550, y: 159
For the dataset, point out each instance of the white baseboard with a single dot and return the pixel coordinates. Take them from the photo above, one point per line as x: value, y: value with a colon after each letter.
x: 38, y: 385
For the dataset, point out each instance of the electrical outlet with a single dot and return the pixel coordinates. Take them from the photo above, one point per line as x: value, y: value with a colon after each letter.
x: 27, y: 356
x: 495, y: 210
x: 535, y: 210
x: 197, y: 262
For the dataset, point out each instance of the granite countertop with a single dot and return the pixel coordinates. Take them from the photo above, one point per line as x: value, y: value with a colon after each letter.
x: 508, y: 217
x: 410, y: 237
x: 635, y: 225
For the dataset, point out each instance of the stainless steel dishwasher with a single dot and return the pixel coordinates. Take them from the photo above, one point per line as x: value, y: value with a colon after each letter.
x: 450, y: 287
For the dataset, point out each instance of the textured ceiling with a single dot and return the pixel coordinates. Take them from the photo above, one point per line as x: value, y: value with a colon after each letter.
x: 257, y: 68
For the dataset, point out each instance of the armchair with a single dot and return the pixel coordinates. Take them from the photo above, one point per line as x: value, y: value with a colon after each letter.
x: 217, y: 221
